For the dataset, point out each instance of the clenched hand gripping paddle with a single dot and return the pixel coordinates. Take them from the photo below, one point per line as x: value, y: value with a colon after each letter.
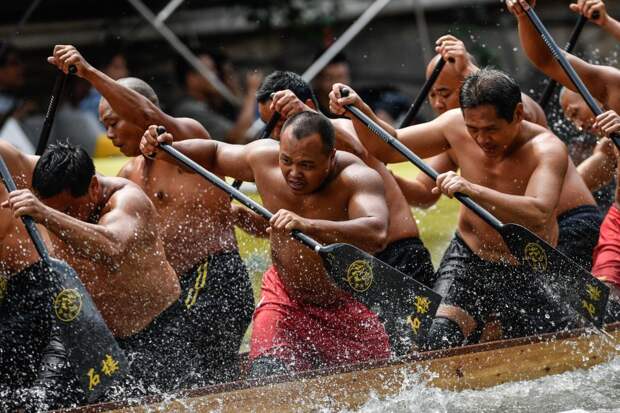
x: 397, y: 298
x: 92, y: 351
x: 572, y: 41
x: 584, y: 293
x: 568, y: 68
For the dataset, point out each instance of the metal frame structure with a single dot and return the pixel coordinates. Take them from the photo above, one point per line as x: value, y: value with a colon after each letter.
x: 157, y: 21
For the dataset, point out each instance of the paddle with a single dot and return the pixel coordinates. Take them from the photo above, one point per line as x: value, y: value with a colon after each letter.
x: 91, y: 348
x: 568, y: 68
x: 397, y: 298
x: 426, y: 88
x: 584, y: 293
x: 572, y: 41
x: 59, y: 85
x: 265, y: 134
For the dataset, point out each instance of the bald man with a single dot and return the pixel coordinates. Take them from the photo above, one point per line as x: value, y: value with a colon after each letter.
x: 194, y: 221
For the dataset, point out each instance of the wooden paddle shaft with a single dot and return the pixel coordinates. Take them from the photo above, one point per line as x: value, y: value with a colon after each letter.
x: 230, y: 190
x: 426, y: 88
x: 59, y: 85
x: 28, y: 221
x: 568, y: 68
x: 572, y: 41
x: 423, y: 166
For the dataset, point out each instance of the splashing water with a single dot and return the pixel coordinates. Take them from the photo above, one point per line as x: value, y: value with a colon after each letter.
x: 593, y: 390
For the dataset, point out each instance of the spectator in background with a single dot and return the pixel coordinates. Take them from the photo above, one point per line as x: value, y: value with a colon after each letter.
x: 338, y: 70
x: 204, y: 103
x: 12, y: 106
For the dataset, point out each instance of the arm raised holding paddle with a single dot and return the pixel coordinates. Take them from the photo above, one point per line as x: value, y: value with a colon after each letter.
x: 596, y: 11
x: 127, y: 104
x: 602, y: 81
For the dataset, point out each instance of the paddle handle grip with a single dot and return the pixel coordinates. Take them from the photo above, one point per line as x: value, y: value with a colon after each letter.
x: 572, y: 41
x: 48, y: 122
x: 423, y: 166
x: 35, y: 236
x: 568, y: 68
x: 229, y: 189
x: 426, y: 88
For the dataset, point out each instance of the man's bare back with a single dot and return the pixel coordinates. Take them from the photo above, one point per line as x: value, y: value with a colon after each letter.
x: 194, y: 218
x: 107, y: 236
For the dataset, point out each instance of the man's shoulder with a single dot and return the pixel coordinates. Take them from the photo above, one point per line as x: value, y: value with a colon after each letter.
x: 544, y: 142
x: 353, y: 171
x: 129, y: 196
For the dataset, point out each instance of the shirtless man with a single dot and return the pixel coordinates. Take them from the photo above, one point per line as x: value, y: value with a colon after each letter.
x: 513, y: 168
x: 101, y: 227
x: 596, y: 165
x: 603, y: 82
x: 31, y: 356
x: 194, y: 220
x: 577, y: 213
x: 288, y: 94
x: 303, y: 319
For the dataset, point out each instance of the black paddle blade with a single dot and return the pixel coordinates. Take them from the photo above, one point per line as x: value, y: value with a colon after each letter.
x: 94, y: 354
x: 583, y: 292
x: 396, y: 298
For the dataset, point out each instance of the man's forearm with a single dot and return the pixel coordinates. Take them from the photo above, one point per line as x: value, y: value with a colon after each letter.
x: 533, y: 45
x: 612, y: 26
x: 367, y: 233
x: 517, y: 209
x: 597, y: 171
x: 375, y: 145
x: 128, y: 104
x: 89, y: 240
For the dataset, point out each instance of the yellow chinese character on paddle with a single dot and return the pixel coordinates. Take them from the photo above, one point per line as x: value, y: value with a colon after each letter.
x: 109, y: 365
x: 422, y: 304
x: 415, y: 324
x: 594, y: 292
x: 93, y: 379
x: 589, y: 307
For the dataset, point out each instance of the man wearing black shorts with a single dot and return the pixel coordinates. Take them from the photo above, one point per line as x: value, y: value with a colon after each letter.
x: 513, y: 168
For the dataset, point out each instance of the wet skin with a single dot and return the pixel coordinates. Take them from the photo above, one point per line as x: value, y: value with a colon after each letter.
x: 131, y: 285
x: 194, y: 218
x: 332, y: 197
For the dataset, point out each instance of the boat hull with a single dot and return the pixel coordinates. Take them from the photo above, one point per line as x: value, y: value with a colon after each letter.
x: 472, y: 367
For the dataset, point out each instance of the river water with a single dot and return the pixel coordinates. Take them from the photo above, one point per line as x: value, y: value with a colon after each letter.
x: 593, y: 390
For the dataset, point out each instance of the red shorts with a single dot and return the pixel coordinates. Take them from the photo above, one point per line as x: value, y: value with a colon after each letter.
x: 606, y: 256
x: 306, y: 336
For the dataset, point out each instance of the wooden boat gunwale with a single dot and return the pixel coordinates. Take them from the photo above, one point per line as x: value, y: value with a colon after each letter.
x: 366, y: 366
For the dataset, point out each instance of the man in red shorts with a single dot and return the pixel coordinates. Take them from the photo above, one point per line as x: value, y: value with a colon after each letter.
x: 303, y: 319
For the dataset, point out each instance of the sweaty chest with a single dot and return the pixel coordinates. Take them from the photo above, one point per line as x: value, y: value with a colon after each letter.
x: 508, y: 175
x: 329, y: 203
x: 169, y: 186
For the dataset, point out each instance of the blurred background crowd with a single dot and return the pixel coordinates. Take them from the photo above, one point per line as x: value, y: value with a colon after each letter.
x: 240, y: 42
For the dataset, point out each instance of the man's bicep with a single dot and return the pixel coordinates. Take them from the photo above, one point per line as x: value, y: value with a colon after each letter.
x: 234, y: 161
x: 597, y: 78
x: 547, y: 180
x: 426, y: 139
x: 368, y: 197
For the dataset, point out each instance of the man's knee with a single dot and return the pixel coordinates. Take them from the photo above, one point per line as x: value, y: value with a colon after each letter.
x: 443, y: 333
